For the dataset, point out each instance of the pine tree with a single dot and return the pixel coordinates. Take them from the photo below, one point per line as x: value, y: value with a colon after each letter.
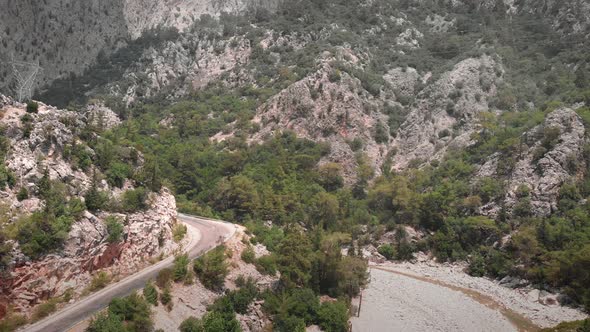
x: 44, y: 184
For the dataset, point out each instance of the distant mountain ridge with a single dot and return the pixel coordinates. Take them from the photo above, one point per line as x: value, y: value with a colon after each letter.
x: 65, y: 37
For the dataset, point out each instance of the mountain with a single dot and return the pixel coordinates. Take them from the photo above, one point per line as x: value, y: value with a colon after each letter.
x: 67, y: 217
x: 336, y: 131
x: 67, y: 37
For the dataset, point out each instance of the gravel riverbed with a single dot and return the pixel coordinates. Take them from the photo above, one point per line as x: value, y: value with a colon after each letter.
x: 442, y: 297
x: 394, y: 302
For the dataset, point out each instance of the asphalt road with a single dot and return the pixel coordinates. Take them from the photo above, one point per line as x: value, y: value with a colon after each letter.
x: 211, y: 232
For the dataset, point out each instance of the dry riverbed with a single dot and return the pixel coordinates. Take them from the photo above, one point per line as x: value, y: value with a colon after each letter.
x: 394, y: 302
x: 426, y: 296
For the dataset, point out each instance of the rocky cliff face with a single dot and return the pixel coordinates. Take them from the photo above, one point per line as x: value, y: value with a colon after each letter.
x: 183, y: 65
x: 568, y: 17
x: 331, y: 106
x: 87, y: 251
x: 551, y: 155
x: 37, y: 145
x: 445, y: 114
x: 65, y: 37
x: 143, y: 15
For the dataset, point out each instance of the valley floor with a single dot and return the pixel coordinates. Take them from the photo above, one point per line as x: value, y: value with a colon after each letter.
x: 394, y: 302
x: 431, y: 297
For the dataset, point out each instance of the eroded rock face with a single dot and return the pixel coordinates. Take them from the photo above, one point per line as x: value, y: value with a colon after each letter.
x: 49, y: 132
x: 60, y: 36
x: 37, y: 144
x: 187, y: 64
x: 328, y: 107
x: 542, y: 172
x: 147, y: 234
x: 254, y: 319
x: 568, y: 16
x: 147, y: 14
x: 66, y: 37
x: 101, y: 117
x: 445, y: 113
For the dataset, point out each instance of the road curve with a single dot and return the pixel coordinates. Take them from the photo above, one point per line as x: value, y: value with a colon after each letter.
x: 212, y: 232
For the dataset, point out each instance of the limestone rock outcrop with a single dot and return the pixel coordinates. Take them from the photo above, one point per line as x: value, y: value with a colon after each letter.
x: 445, y: 112
x: 38, y: 143
x: 330, y: 106
x: 542, y: 171
x: 148, y: 234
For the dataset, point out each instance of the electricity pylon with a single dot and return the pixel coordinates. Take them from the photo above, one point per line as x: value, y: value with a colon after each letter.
x: 25, y: 74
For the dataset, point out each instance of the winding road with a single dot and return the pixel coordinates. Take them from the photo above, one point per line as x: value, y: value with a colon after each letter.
x: 210, y: 233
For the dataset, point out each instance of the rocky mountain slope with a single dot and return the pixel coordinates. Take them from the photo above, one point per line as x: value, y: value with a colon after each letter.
x: 363, y: 122
x: 66, y: 37
x: 39, y: 157
x: 552, y: 154
x: 412, y: 116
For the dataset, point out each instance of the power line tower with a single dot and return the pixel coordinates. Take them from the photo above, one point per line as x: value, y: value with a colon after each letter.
x: 25, y: 74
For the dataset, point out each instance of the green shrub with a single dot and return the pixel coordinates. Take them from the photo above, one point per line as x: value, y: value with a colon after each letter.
x: 135, y: 200
x: 23, y: 194
x: 26, y: 118
x: 218, y: 321
x: 191, y: 324
x: 334, y: 76
x: 42, y: 232
x: 267, y: 265
x: 75, y: 208
x: 12, y: 321
x: 32, y: 107
x: 95, y: 200
x: 405, y: 250
x: 179, y: 232
x: 150, y: 293
x: 550, y: 137
x: 6, y: 177
x: 333, y: 317
x: 380, y: 134
x: 166, y: 297
x: 164, y: 278
x: 489, y: 189
x: 242, y: 297
x: 477, y: 266
x: 288, y: 323
x: 99, y: 281
x: 114, y: 229
x: 248, y: 255
x: 117, y: 173
x: 134, y: 311
x: 180, y: 270
x: 300, y: 302
x: 444, y: 133
x: 356, y: 144
x: 387, y: 250
x: 79, y: 155
x: 44, y: 309
x: 104, y: 322
x: 211, y: 268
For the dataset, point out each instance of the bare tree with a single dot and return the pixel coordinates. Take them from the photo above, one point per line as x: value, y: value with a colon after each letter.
x: 25, y: 74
